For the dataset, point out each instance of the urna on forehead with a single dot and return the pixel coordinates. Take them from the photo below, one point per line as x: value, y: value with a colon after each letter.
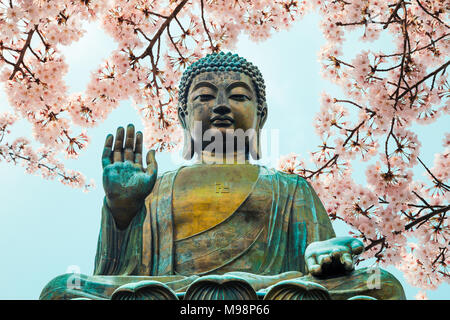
x: 222, y: 63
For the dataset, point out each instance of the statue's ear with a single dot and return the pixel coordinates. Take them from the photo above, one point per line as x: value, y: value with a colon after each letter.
x: 255, y: 145
x: 182, y: 116
x: 262, y: 115
x: 188, y: 144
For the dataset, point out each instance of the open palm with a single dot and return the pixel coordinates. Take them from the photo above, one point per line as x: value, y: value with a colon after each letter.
x: 126, y: 182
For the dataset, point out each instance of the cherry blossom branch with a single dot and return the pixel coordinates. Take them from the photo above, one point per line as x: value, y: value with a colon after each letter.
x: 427, y: 216
x: 441, y: 68
x: 57, y: 169
x: 374, y: 243
x: 438, y: 182
x: 356, y: 105
x: 173, y: 42
x: 393, y: 14
x: 213, y: 48
x: 422, y: 219
x: 148, y: 50
x: 402, y: 63
x: 429, y: 13
x: 327, y: 164
x: 22, y: 54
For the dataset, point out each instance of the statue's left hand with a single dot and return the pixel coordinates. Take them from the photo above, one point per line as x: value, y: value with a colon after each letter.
x: 333, y: 256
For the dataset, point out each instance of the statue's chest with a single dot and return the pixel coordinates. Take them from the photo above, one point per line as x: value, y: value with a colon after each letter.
x: 205, y: 196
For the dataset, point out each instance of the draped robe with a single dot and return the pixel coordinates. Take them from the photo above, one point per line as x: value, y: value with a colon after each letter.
x: 263, y: 241
x: 267, y: 234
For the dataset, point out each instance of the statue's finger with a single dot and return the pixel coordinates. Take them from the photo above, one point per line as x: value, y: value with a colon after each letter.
x: 138, y: 149
x: 347, y: 261
x: 336, y: 253
x: 310, y: 262
x: 313, y: 267
x: 357, y: 246
x: 324, y: 259
x: 118, y: 145
x: 128, y: 152
x: 152, y: 165
x: 315, y: 270
x: 107, y: 151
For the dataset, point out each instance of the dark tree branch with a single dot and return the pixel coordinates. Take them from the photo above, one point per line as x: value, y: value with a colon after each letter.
x: 441, y: 68
x: 213, y: 48
x: 22, y: 54
x: 148, y: 50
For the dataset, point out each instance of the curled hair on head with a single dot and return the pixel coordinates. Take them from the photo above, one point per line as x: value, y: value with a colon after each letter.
x: 221, y: 62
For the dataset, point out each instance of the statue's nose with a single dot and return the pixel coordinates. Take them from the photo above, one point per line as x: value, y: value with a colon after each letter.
x: 221, y: 106
x: 222, y: 109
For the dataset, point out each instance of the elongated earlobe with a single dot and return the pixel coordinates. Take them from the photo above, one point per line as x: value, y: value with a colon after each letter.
x: 188, y: 145
x: 255, y: 142
x: 255, y: 147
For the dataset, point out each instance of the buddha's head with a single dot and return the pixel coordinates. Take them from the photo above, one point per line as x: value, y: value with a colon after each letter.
x: 223, y: 93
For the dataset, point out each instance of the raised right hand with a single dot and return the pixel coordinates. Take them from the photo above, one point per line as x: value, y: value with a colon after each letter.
x: 125, y: 180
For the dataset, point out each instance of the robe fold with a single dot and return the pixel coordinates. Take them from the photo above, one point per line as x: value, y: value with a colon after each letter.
x: 267, y: 234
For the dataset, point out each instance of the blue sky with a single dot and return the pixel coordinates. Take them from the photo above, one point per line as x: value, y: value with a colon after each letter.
x: 47, y: 227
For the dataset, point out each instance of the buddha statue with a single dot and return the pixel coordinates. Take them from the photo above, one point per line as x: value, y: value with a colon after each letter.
x: 222, y: 227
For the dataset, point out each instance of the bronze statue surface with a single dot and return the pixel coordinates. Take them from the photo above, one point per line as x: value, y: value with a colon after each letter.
x: 222, y: 228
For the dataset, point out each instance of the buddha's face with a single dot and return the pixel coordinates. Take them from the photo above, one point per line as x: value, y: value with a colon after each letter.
x: 222, y: 101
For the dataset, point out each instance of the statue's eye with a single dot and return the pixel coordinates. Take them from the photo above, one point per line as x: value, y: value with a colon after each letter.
x: 239, y: 97
x: 204, y: 97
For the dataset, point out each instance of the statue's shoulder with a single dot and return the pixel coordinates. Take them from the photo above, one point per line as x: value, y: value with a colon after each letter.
x: 285, y: 176
x: 163, y: 184
x: 168, y: 175
x: 289, y: 178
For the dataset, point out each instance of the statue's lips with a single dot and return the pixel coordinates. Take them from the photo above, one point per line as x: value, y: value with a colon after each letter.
x: 222, y: 121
